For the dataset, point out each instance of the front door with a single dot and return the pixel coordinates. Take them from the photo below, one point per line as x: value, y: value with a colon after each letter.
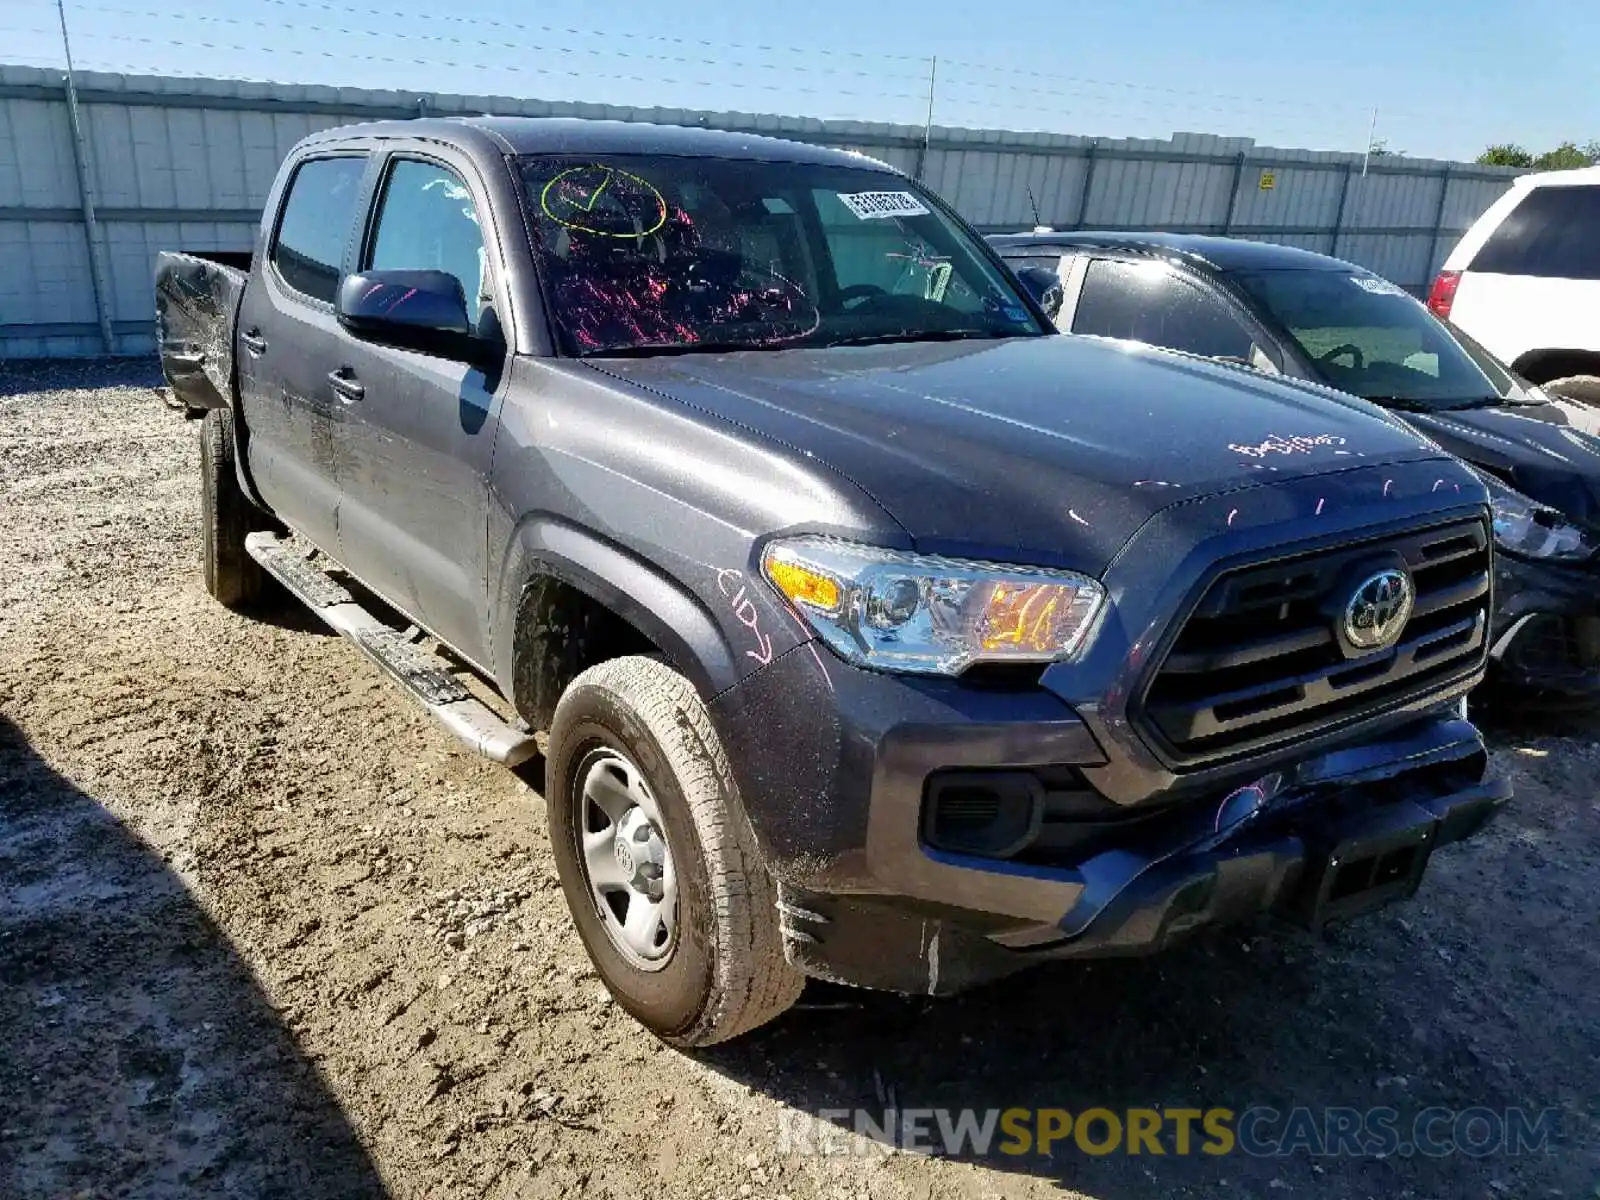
x: 414, y: 448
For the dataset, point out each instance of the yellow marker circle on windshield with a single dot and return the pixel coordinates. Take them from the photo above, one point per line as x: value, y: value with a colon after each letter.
x: 617, y: 188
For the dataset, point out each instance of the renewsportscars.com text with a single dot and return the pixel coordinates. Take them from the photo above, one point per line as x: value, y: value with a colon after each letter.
x: 1259, y: 1131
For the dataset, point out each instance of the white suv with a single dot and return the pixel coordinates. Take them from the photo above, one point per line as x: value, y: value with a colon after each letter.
x: 1525, y: 281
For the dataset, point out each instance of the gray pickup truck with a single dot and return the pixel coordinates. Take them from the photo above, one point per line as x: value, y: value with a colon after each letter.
x: 868, y: 628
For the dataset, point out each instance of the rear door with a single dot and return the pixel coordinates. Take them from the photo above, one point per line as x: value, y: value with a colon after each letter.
x: 288, y: 341
x: 1534, y: 284
x: 417, y: 430
x: 1148, y: 300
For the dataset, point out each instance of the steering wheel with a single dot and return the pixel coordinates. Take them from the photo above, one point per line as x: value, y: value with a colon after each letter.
x: 860, y: 291
x: 758, y: 299
x: 1358, y: 359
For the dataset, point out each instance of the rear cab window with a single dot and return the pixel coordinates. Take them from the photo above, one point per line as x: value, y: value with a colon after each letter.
x: 1554, y: 232
x: 318, y: 216
x: 1150, y: 302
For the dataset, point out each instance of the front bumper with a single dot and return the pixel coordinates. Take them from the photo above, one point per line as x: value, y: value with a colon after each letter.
x: 1345, y: 834
x: 837, y: 804
x: 1339, y: 836
x: 1546, y: 634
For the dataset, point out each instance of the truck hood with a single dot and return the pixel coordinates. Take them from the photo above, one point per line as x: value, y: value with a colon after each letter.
x: 1051, y: 448
x: 1550, y: 451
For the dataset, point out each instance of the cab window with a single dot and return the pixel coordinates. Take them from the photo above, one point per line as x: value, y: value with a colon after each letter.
x: 1150, y: 302
x: 318, y: 216
x: 427, y: 222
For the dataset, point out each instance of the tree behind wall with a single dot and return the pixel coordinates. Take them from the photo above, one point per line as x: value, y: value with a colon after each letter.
x: 1563, y: 157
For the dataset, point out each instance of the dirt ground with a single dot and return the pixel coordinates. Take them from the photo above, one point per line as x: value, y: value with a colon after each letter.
x: 265, y: 931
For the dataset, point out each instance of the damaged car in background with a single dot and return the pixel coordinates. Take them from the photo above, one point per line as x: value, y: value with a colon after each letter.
x: 870, y: 629
x: 1316, y: 318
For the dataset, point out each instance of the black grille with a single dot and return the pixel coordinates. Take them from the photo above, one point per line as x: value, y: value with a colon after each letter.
x: 1257, y: 662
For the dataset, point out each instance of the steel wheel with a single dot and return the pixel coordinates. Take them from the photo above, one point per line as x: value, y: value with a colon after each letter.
x: 659, y: 866
x: 626, y: 860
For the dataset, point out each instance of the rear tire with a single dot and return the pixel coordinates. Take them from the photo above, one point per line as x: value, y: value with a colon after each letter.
x: 713, y: 967
x: 226, y: 516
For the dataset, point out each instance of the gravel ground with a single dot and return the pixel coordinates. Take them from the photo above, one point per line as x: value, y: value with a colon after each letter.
x: 266, y: 931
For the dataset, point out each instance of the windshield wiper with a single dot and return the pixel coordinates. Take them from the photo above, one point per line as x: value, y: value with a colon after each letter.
x: 919, y: 335
x: 1476, y: 402
x: 1403, y: 403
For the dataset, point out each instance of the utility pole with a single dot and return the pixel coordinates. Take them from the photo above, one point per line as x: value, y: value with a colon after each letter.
x: 91, y: 229
x: 927, y: 125
x: 1360, y: 209
x: 66, y: 42
x: 1372, y: 134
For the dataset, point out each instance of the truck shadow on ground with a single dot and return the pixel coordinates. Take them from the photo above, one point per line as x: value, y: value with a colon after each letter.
x: 1261, y: 1016
x: 276, y: 607
x: 140, y: 1057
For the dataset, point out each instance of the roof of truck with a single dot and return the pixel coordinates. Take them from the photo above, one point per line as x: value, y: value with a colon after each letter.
x: 1220, y: 253
x: 576, y: 135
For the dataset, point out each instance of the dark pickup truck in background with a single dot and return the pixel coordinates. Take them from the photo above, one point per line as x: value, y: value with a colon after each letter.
x: 1312, y: 317
x: 875, y: 631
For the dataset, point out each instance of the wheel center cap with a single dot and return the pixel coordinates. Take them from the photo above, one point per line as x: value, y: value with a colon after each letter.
x: 640, y: 853
x: 624, y: 856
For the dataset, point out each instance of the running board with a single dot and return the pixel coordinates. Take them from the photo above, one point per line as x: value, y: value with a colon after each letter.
x: 413, y: 668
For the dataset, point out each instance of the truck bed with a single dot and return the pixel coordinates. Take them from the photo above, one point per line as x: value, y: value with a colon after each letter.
x: 197, y: 301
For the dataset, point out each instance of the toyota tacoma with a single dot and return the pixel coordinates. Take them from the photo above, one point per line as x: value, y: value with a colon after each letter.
x: 866, y: 628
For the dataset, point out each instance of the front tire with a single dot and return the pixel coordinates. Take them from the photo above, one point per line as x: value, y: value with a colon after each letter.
x: 232, y: 577
x: 681, y: 921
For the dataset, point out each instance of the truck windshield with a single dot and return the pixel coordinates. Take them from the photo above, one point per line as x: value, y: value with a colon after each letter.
x: 1362, y: 334
x: 666, y: 254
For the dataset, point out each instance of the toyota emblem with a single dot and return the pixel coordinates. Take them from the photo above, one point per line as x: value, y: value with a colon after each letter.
x: 1378, y: 609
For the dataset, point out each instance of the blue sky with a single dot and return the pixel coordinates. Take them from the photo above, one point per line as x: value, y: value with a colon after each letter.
x: 1447, y: 79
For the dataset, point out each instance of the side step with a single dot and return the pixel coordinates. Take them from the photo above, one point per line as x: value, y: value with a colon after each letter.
x: 414, y: 669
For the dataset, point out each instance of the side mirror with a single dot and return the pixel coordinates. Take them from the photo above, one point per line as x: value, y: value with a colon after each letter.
x: 417, y: 310
x: 1044, y: 285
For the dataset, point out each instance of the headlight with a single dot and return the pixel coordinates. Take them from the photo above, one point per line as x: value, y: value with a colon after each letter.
x: 933, y: 616
x: 1526, y: 527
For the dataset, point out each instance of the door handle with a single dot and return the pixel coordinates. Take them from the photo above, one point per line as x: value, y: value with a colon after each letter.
x: 345, y: 385
x: 191, y: 359
x: 253, y: 341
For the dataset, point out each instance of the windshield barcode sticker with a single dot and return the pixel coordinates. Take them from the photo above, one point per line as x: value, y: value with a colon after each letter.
x: 870, y: 206
x: 1378, y: 287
